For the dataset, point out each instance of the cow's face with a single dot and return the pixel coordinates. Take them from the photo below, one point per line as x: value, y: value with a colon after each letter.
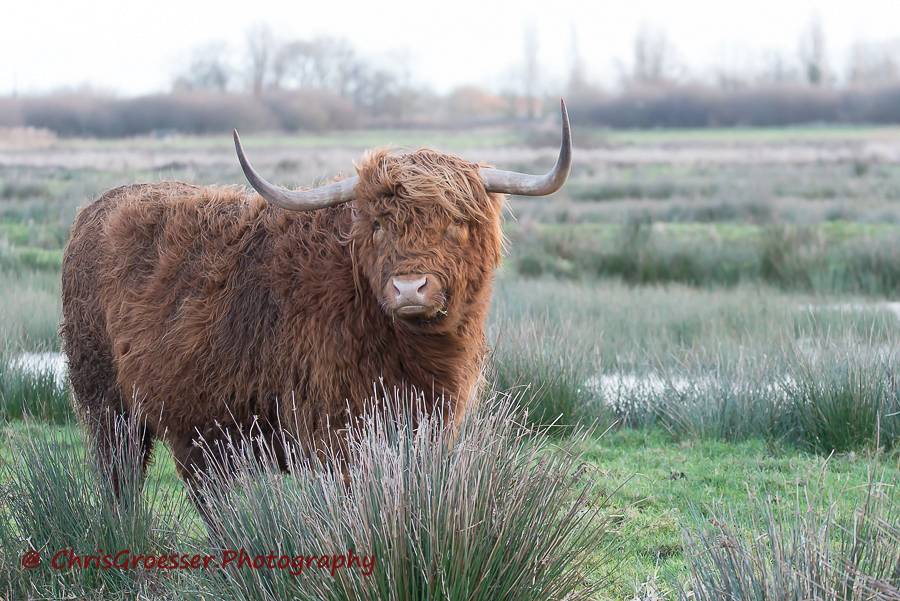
x: 426, y: 236
x: 425, y: 231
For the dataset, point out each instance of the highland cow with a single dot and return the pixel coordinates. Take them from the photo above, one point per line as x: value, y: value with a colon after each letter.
x: 210, y: 308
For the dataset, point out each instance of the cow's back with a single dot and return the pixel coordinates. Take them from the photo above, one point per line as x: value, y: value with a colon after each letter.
x: 83, y: 329
x: 154, y: 276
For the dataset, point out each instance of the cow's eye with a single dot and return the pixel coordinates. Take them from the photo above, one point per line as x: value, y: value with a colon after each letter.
x: 377, y: 231
x: 458, y: 231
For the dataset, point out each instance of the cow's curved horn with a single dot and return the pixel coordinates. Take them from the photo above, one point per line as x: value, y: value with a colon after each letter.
x: 511, y: 182
x: 296, y: 200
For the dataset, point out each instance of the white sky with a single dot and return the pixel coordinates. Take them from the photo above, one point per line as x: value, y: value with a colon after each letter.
x: 136, y: 46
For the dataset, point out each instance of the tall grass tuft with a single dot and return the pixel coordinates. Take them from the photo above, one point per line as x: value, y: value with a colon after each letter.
x: 57, y: 498
x: 31, y: 386
x: 829, y: 398
x: 488, y: 512
x: 733, y: 399
x: 809, y: 551
x: 844, y: 400
x: 548, y: 370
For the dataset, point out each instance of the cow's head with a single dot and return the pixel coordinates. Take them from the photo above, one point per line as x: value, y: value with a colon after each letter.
x: 425, y: 226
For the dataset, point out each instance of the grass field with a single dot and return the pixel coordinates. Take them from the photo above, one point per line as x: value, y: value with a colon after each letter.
x: 493, y: 137
x: 719, y: 303
x: 659, y: 488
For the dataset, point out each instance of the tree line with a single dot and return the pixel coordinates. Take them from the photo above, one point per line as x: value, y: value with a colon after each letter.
x: 323, y: 82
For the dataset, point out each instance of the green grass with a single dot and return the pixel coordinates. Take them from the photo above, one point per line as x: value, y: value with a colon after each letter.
x: 810, y: 547
x: 161, y: 476
x: 478, y: 137
x: 35, y: 393
x: 484, y: 511
x: 667, y: 481
x: 836, y: 258
x: 806, y: 133
x: 724, y: 285
x: 55, y: 500
x: 657, y: 487
x: 360, y: 139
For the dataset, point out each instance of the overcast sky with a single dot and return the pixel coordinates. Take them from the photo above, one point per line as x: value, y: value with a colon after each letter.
x: 136, y: 46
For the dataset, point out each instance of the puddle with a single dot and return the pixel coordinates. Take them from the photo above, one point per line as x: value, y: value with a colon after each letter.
x: 616, y: 385
x: 889, y: 306
x: 42, y: 362
x: 627, y: 392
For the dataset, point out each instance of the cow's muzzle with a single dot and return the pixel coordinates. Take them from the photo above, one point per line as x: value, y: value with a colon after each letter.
x: 414, y: 296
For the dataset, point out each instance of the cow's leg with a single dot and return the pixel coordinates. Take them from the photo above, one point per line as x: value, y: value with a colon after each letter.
x: 200, y: 460
x: 122, y: 446
x: 116, y: 434
x: 196, y: 464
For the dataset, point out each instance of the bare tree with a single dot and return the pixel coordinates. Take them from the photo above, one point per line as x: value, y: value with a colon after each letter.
x: 260, y: 50
x: 207, y: 69
x: 293, y: 66
x: 530, y: 71
x: 577, y: 84
x: 653, y: 61
x: 326, y: 63
x: 732, y: 69
x: 405, y: 96
x: 874, y: 62
x: 777, y: 70
x: 812, y: 53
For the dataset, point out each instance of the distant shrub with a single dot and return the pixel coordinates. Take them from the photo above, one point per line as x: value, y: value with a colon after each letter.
x: 21, y: 190
x: 310, y: 110
x: 185, y: 112
x: 530, y: 266
x: 11, y: 112
x: 74, y: 115
x: 473, y: 104
x: 192, y: 112
x: 769, y: 106
x: 673, y: 106
x: 877, y: 104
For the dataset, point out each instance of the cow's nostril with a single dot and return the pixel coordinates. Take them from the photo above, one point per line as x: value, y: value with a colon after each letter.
x: 408, y: 289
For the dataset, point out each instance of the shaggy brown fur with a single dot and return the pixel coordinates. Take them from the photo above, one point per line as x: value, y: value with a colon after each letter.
x: 208, y: 307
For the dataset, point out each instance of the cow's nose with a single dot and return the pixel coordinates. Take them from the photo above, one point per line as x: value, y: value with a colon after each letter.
x: 410, y: 289
x: 413, y: 295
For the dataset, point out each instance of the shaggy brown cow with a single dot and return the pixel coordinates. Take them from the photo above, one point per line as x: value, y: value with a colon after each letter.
x: 211, y: 307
